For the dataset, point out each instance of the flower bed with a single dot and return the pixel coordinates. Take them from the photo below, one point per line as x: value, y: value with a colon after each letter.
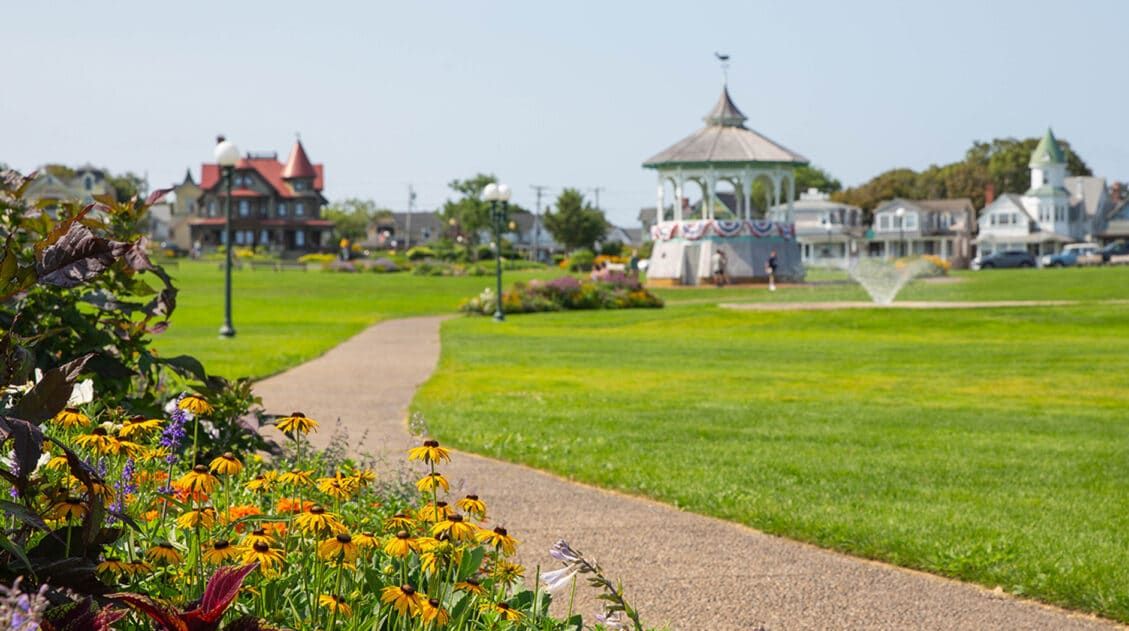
x: 612, y: 290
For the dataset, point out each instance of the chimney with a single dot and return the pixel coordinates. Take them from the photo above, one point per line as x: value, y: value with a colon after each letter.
x: 989, y: 193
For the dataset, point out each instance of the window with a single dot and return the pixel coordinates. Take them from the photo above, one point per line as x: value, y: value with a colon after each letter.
x: 264, y: 237
x: 884, y: 222
x: 299, y: 238
x: 244, y: 208
x: 910, y: 222
x: 88, y: 183
x: 299, y: 209
x: 299, y: 185
x: 946, y: 220
x: 212, y: 208
x: 281, y: 209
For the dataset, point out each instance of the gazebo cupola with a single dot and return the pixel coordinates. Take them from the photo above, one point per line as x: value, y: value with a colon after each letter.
x: 725, y: 151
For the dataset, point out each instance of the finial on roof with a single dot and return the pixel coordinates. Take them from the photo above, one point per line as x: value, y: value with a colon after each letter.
x: 724, y: 59
x: 188, y: 176
x: 725, y: 112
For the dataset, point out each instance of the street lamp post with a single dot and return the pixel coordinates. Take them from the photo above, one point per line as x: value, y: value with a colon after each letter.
x: 900, y: 213
x: 227, y: 154
x: 499, y: 197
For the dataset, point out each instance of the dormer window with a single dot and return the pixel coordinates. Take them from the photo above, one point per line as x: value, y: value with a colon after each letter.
x: 281, y: 209
x: 88, y: 183
x: 299, y: 185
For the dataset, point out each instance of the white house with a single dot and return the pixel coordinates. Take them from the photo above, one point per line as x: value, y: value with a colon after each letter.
x: 938, y: 227
x: 1048, y: 215
x: 829, y: 232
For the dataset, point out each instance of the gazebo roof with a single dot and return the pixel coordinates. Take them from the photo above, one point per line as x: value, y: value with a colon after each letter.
x: 724, y: 140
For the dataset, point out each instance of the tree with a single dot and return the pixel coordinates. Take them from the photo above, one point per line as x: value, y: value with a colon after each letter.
x: 471, y: 214
x: 811, y: 176
x: 126, y: 185
x: 575, y: 224
x: 352, y: 217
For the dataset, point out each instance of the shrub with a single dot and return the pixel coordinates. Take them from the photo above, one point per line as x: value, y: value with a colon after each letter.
x: 611, y: 248
x: 323, y: 259
x: 581, y: 260
x: 421, y: 252
x: 565, y: 293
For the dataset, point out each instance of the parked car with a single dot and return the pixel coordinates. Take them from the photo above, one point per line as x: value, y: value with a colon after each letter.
x: 1073, y: 254
x: 1116, y: 253
x: 1009, y: 258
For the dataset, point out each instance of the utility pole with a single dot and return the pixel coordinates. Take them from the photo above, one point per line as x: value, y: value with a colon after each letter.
x: 537, y: 221
x: 408, y: 222
x: 596, y: 191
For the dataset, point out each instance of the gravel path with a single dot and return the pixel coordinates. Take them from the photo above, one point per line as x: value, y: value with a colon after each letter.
x: 683, y: 570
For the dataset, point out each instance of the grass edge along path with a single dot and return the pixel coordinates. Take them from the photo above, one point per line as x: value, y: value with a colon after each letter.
x: 984, y: 475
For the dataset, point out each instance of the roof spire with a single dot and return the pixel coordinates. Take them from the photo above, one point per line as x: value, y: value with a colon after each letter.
x: 724, y: 59
x: 299, y: 163
x: 725, y: 112
x: 1048, y: 151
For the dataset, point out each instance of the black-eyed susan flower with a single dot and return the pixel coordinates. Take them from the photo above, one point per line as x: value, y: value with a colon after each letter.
x: 295, y: 477
x: 138, y: 567
x: 431, y: 610
x: 436, y: 512
x: 199, y: 517
x: 139, y: 426
x: 226, y: 464
x: 196, y: 405
x: 261, y: 483
x: 221, y: 552
x: 435, y: 552
x: 430, y: 452
x: 296, y: 422
x: 366, y: 540
x: 338, y: 549
x: 130, y: 448
x: 504, y: 611
x: 335, y: 604
x: 164, y: 553
x: 455, y: 527
x: 198, y: 480
x: 364, y: 477
x: 471, y: 504
x: 71, y: 418
x: 98, y: 441
x: 401, y: 545
x: 498, y: 538
x: 258, y: 536
x: 429, y: 482
x: 68, y: 508
x: 403, y: 598
x: 113, y: 565
x: 399, y: 521
x: 58, y: 463
x: 471, y: 586
x: 507, y: 572
x: 318, y: 522
x: 337, y: 487
x: 270, y: 559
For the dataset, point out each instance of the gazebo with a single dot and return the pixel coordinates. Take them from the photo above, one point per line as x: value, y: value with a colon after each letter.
x: 724, y: 152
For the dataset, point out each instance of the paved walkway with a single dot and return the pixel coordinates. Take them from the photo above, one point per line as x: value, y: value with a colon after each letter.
x: 683, y: 570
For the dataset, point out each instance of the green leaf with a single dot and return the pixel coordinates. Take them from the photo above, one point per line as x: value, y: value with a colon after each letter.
x: 470, y: 564
x: 186, y: 365
x: 16, y: 551
x: 23, y: 513
x: 50, y: 395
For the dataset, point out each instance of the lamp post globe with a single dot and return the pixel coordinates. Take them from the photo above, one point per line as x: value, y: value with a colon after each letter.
x: 227, y: 156
x: 490, y: 192
x: 503, y: 193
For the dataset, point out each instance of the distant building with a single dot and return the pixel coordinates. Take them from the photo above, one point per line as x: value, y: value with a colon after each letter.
x: 1048, y: 215
x: 915, y: 227
x: 1115, y: 225
x: 274, y: 205
x: 87, y: 183
x: 184, y: 206
x: 829, y: 232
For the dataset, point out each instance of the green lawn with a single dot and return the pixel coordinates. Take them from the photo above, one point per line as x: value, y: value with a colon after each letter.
x: 284, y: 318
x: 989, y: 445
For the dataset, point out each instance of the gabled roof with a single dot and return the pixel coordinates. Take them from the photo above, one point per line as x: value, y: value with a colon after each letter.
x: 299, y: 163
x: 188, y: 176
x: 1008, y: 199
x: 724, y: 140
x: 1047, y: 151
x: 269, y: 169
x: 1087, y: 191
x: 929, y: 205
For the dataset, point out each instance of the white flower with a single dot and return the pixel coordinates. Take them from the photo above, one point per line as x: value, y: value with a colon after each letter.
x: 81, y: 394
x: 556, y: 580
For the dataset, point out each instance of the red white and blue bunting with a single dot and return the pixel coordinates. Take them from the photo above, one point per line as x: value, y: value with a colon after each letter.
x: 695, y: 230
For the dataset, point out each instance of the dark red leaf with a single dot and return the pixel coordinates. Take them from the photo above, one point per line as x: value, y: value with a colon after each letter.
x: 50, y: 395
x: 28, y: 443
x: 77, y: 257
x: 156, y: 196
x: 137, y: 258
x: 61, y: 229
x: 162, y: 615
x: 222, y: 590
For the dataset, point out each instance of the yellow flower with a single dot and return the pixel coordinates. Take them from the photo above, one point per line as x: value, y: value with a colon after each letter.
x: 335, y: 604
x: 71, y: 418
x: 138, y: 567
x: 58, y: 463
x: 435, y: 551
x: 196, y: 405
x: 258, y: 536
x: 113, y: 566
x: 436, y: 512
x: 498, y: 538
x: 221, y: 552
x: 366, y: 540
x: 364, y: 477
x: 430, y: 452
x: 129, y: 448
x: 337, y: 487
x: 198, y: 480
x: 69, y: 508
x: 98, y: 441
x: 296, y: 422
x: 295, y: 477
x: 163, y: 552
x: 502, y: 609
x: 471, y: 586
x: 318, y: 522
x: 338, y: 549
x: 403, y: 598
x: 270, y: 560
x: 401, y: 545
x: 201, y: 517
x: 399, y: 520
x: 455, y: 528
x: 428, y: 483
x: 431, y: 610
x: 227, y: 464
x: 471, y: 504
x: 139, y: 425
x: 507, y: 572
x: 261, y: 483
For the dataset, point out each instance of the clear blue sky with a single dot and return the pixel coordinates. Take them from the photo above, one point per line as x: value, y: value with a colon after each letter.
x: 562, y: 94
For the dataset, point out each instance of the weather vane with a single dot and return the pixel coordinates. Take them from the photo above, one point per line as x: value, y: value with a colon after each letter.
x: 724, y: 59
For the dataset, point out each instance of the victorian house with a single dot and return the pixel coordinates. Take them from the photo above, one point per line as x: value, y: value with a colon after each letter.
x: 273, y: 205
x: 916, y: 227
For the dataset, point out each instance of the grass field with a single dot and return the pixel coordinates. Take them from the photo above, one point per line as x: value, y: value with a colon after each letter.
x: 284, y: 318
x: 989, y: 445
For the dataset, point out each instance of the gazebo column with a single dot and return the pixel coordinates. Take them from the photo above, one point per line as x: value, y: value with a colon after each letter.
x: 660, y: 201
x: 711, y: 191
x: 775, y: 190
x: 747, y: 194
x: 679, y: 188
x: 792, y: 195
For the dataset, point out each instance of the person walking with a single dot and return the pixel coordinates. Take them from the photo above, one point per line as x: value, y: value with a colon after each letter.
x: 770, y: 267
x: 716, y: 266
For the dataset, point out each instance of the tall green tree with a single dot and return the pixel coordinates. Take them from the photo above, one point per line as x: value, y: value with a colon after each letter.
x: 470, y: 212
x: 352, y: 217
x: 575, y: 223
x: 811, y: 176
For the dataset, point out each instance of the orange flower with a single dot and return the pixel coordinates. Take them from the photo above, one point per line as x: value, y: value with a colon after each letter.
x: 235, y: 513
x: 293, y: 505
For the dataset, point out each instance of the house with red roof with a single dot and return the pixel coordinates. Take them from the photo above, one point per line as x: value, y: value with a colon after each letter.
x: 273, y: 205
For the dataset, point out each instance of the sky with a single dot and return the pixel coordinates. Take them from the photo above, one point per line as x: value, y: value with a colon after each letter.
x: 565, y: 94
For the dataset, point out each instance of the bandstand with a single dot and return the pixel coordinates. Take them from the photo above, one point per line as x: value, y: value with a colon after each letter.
x: 724, y: 153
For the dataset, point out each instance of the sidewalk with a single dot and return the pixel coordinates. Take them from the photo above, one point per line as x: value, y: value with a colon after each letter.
x: 690, y: 572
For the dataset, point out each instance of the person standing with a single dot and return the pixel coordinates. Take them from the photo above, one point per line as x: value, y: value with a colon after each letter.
x: 716, y: 266
x: 770, y: 267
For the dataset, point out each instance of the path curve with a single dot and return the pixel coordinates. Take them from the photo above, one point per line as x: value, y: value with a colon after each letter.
x: 680, y: 569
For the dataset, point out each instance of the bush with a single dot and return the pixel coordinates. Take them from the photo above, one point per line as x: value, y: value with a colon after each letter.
x: 616, y: 291
x: 323, y: 259
x: 581, y: 260
x: 612, y: 248
x: 421, y: 252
